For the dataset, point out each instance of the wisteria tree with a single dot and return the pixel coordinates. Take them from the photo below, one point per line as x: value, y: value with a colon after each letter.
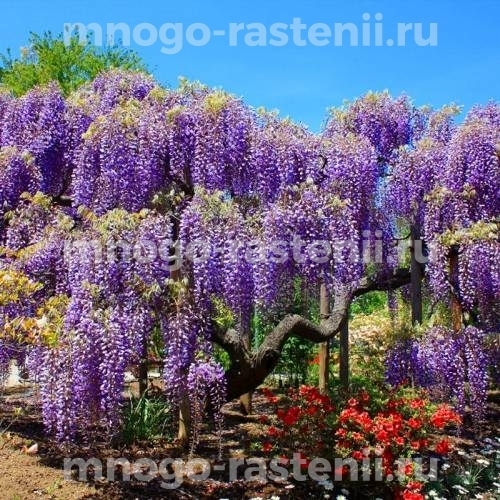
x: 130, y: 213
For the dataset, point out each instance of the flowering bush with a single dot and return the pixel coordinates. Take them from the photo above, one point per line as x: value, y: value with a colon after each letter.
x: 379, y: 442
x: 399, y: 432
x: 303, y: 422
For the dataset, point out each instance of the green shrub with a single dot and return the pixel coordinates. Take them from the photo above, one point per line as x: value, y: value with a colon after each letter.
x: 146, y: 419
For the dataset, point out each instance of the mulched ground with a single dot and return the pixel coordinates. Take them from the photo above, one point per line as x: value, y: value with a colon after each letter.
x: 40, y: 476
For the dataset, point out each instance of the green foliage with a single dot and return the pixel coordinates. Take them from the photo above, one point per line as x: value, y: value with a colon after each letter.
x: 222, y: 314
x: 224, y: 318
x: 222, y: 357
x: 48, y: 58
x: 369, y: 303
x: 156, y: 345
x: 469, y: 476
x: 146, y: 419
x: 295, y: 359
x: 297, y: 352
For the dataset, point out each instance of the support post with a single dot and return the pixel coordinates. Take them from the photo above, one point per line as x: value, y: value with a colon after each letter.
x: 324, y: 349
x: 456, y: 306
x: 344, y: 355
x: 416, y: 275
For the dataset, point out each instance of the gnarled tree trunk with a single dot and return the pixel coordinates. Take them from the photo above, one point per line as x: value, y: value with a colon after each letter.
x: 250, y: 368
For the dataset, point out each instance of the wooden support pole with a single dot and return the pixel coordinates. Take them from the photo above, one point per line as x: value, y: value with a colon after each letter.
x: 324, y: 349
x: 344, y: 355
x: 416, y: 276
x: 456, y: 306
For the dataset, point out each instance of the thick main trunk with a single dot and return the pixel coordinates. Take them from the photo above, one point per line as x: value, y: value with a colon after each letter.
x: 249, y: 368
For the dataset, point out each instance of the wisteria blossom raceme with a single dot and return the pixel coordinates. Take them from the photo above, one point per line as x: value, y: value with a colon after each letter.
x: 116, y: 86
x: 122, y: 162
x: 18, y: 175
x: 479, y: 280
x: 412, y: 178
x: 206, y: 387
x: 35, y: 124
x: 386, y: 122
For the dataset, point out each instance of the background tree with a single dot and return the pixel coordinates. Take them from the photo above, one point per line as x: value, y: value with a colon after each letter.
x: 48, y: 58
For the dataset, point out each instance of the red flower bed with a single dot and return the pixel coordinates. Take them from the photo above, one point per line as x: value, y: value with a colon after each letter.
x: 308, y: 422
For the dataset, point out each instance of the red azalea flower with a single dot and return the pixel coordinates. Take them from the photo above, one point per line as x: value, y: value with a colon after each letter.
x: 356, y: 436
x: 411, y: 495
x: 312, y: 410
x: 364, y: 397
x: 341, y: 433
x: 443, y: 416
x: 408, y: 470
x: 314, y: 361
x: 292, y: 416
x: 415, y: 423
x: 414, y: 486
x: 273, y: 431
x: 382, y: 436
x: 415, y: 445
x: 443, y: 447
x: 399, y: 441
x: 267, y: 447
x: 417, y: 404
x: 269, y: 395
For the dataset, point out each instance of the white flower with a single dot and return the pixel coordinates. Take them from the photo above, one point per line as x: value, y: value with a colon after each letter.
x: 328, y: 485
x: 275, y: 497
x: 433, y: 493
x: 341, y: 497
x: 445, y: 466
x: 460, y: 489
x: 483, y: 461
x: 42, y: 322
x: 344, y: 492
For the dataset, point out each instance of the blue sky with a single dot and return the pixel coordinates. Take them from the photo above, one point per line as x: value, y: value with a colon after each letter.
x: 301, y: 82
